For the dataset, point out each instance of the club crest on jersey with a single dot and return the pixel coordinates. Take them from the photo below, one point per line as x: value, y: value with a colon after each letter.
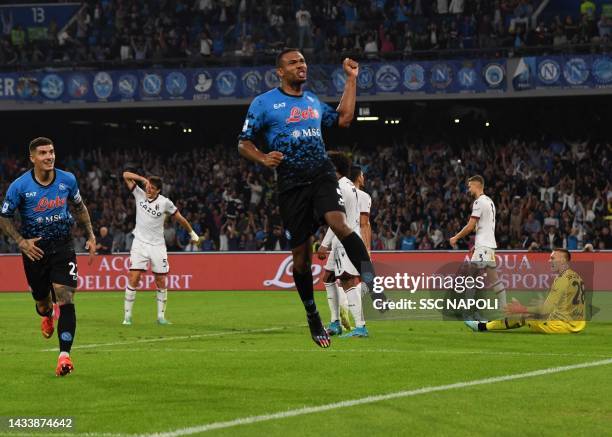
x: 297, y: 114
x: 45, y: 204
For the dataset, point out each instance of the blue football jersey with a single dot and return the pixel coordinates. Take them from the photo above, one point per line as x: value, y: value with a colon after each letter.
x: 43, y: 208
x: 277, y: 121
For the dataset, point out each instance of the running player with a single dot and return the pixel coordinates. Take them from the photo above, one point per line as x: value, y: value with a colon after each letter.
x: 482, y: 220
x: 42, y: 195
x: 149, y: 246
x: 286, y: 123
x: 563, y: 311
x: 357, y: 205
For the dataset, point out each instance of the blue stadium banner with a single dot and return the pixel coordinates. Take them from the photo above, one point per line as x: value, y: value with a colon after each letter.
x: 66, y: 87
x: 564, y: 72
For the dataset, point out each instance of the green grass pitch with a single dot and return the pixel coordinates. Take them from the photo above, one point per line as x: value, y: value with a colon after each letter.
x: 232, y: 355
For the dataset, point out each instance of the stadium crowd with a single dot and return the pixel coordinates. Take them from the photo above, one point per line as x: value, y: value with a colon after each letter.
x: 152, y: 30
x: 547, y: 194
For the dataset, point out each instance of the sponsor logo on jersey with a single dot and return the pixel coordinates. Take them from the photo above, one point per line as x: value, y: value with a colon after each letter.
x: 297, y: 114
x: 279, y: 105
x: 62, y: 187
x: 549, y: 71
x: 103, y: 85
x: 45, y: 204
x: 31, y: 194
x: 156, y: 213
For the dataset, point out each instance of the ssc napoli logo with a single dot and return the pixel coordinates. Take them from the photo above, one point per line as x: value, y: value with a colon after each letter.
x: 441, y: 76
x: 103, y: 85
x: 339, y: 79
x: 202, y: 81
x: 176, y: 83
x: 27, y: 87
x: 127, y: 85
x: 387, y: 78
x: 467, y: 77
x: 602, y: 71
x: 52, y: 86
x: 251, y: 81
x: 549, y: 71
x: 151, y: 84
x: 494, y: 75
x: 576, y: 71
x: 271, y: 79
x: 414, y: 77
x: 226, y: 82
x: 78, y: 86
x: 365, y: 78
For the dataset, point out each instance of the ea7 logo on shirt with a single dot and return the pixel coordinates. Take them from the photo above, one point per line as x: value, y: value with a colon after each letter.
x: 45, y: 204
x: 31, y: 194
x: 150, y: 210
x: 297, y: 114
x: 279, y: 105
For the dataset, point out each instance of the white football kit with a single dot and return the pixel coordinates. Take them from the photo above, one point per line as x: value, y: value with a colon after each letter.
x: 355, y: 202
x: 484, y: 248
x: 149, y: 245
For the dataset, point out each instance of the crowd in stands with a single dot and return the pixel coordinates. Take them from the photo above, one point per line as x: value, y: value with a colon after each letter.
x: 547, y: 193
x: 197, y: 30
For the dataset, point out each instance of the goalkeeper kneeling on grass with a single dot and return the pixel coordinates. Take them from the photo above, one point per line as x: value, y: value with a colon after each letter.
x: 563, y: 311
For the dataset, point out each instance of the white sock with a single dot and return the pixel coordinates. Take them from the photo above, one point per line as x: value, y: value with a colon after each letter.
x: 128, y: 302
x: 500, y: 292
x: 332, y: 300
x: 162, y: 297
x: 353, y: 295
x: 343, y: 300
x: 64, y: 354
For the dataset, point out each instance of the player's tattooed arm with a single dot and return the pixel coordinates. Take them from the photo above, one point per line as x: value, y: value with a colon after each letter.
x: 81, y: 214
x: 27, y: 246
x: 346, y: 107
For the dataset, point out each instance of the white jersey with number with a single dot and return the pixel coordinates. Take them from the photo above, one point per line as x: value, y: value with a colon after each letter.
x: 484, y: 210
x: 150, y: 216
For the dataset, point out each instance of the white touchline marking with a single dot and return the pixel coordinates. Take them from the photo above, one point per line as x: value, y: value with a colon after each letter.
x: 365, y: 351
x: 178, y: 337
x: 371, y: 399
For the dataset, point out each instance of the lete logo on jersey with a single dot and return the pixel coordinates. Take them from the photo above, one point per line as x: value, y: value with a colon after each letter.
x: 45, y: 204
x: 297, y: 114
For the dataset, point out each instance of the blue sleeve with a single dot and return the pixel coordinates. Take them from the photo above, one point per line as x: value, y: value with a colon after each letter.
x: 74, y: 194
x: 12, y: 201
x: 330, y: 115
x: 253, y: 124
